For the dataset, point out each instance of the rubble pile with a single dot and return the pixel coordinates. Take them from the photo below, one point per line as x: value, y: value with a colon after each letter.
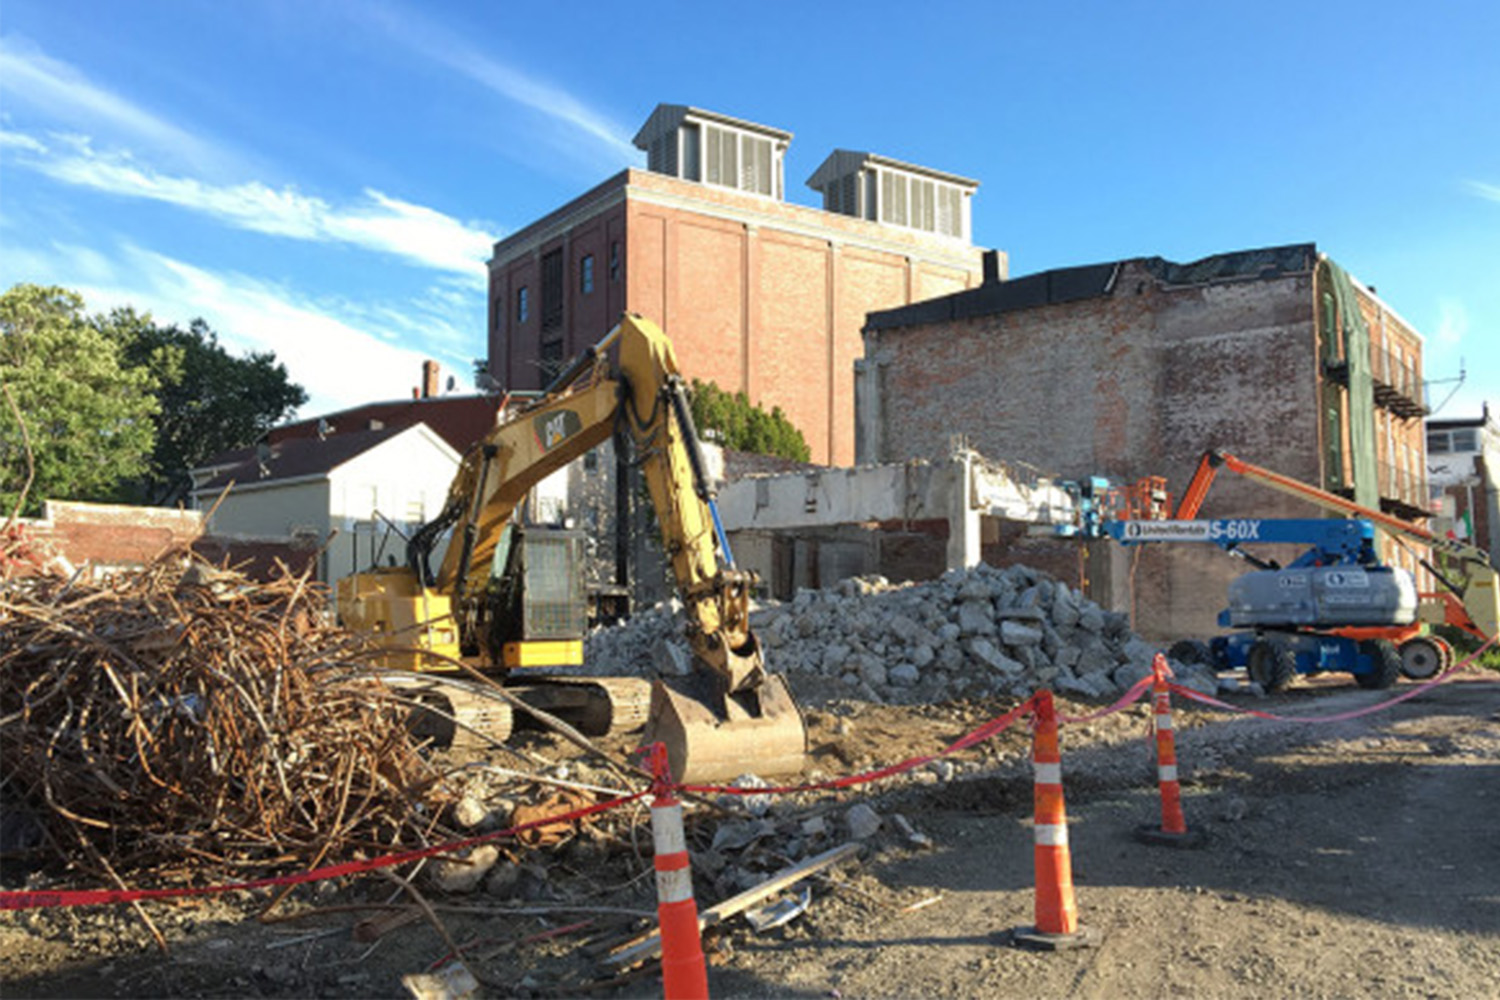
x: 970, y: 633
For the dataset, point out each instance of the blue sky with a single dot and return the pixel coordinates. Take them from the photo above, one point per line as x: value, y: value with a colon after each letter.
x: 325, y: 179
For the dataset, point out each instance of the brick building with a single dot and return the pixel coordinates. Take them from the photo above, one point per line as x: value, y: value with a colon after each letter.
x: 1134, y: 368
x: 757, y: 294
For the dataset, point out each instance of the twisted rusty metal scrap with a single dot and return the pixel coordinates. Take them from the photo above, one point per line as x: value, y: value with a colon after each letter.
x: 181, y: 718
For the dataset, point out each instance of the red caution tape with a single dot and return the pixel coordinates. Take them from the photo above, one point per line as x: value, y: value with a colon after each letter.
x: 979, y: 735
x: 1127, y: 699
x: 1410, y: 693
x: 94, y: 897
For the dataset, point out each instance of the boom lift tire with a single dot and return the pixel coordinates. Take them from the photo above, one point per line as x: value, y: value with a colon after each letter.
x: 1424, y: 656
x: 1387, y: 664
x: 1272, y: 665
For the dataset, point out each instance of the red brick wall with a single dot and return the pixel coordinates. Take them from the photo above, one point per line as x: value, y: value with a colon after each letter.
x: 1137, y: 382
x: 109, y: 535
x: 772, y: 307
x: 793, y: 353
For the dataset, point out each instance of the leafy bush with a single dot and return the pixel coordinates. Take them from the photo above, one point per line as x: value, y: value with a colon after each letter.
x: 736, y: 423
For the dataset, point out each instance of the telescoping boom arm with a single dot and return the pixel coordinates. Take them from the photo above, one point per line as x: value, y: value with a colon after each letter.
x: 1478, y: 594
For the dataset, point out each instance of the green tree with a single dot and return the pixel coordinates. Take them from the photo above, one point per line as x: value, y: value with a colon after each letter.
x: 746, y: 427
x: 210, y: 401
x: 87, y: 413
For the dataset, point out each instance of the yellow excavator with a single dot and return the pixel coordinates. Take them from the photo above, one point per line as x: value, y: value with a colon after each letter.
x: 729, y: 715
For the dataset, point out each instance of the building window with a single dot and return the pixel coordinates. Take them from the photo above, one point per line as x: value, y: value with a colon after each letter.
x: 733, y: 160
x: 692, y: 158
x: 916, y: 203
x: 923, y: 205
x: 552, y: 290
x: 551, y: 359
x: 523, y: 304
x: 893, y: 198
x: 950, y: 221
x: 614, y: 261
x: 586, y: 274
x: 1465, y: 440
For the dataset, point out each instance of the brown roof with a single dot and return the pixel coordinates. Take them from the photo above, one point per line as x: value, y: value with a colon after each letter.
x: 458, y: 420
x: 298, y: 457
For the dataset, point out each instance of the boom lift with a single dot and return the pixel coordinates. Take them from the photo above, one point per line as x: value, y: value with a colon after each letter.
x: 1293, y: 612
x: 729, y: 714
x: 1470, y: 598
x: 1336, y: 607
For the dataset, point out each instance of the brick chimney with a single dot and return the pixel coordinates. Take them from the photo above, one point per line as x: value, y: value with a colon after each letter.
x: 429, y: 379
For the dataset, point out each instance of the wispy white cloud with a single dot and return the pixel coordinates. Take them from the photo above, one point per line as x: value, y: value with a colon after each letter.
x: 376, y: 222
x: 339, y: 363
x: 343, y: 352
x: 1490, y: 192
x: 21, y: 142
x: 34, y: 79
x: 603, y: 139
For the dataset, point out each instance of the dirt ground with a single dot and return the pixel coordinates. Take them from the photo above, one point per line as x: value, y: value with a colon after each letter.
x: 1350, y: 859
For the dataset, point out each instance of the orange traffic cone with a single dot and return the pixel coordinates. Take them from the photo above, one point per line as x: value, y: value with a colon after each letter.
x: 684, y: 975
x: 1057, y: 926
x: 1173, y: 831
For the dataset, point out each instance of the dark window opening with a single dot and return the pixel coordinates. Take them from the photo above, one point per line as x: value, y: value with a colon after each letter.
x: 614, y: 261
x: 523, y: 305
x: 551, y: 358
x: 586, y: 274
x: 552, y: 290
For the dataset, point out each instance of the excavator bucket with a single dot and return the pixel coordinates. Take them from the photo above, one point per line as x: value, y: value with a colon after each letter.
x: 712, y: 737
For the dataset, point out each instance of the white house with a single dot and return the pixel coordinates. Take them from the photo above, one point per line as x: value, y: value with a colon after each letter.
x: 1463, y: 473
x: 358, y: 493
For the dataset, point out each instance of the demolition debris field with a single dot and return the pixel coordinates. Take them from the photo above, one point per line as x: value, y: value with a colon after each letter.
x: 1351, y: 859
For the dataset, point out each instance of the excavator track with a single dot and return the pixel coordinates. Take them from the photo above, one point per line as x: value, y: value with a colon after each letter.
x: 451, y: 713
x: 595, y: 706
x: 458, y: 714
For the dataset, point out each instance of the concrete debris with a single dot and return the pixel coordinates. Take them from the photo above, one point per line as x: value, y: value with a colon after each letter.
x: 739, y: 835
x: 755, y: 805
x: 970, y: 633
x: 459, y: 875
x: 452, y: 982
x: 783, y: 911
x: 470, y: 811
x: 863, y: 822
x: 913, y: 836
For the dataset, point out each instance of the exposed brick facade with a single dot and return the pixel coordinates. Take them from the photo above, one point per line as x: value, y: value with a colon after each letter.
x: 757, y: 295
x: 107, y: 536
x: 1132, y: 370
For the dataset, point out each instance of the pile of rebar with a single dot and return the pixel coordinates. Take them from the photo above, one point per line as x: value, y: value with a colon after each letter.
x: 182, y: 717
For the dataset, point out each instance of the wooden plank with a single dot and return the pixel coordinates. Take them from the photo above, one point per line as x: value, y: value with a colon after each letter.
x: 651, y: 946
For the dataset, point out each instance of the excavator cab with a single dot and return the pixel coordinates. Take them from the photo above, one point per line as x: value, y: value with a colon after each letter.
x: 536, y: 603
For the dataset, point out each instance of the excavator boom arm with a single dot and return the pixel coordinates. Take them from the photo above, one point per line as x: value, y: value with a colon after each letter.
x: 646, y: 397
